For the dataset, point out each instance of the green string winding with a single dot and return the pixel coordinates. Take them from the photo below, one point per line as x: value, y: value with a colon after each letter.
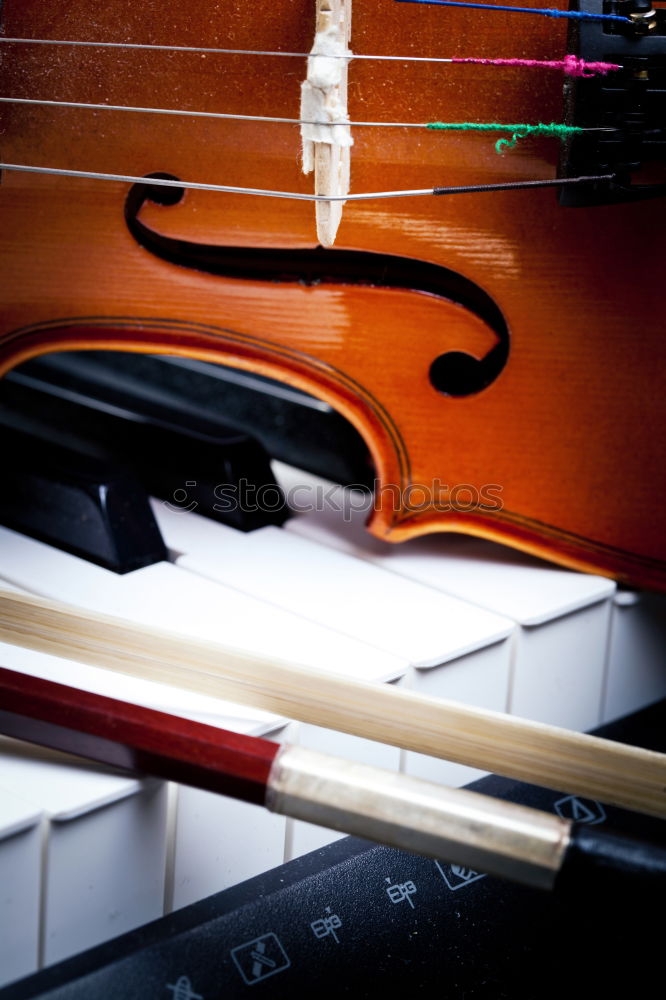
x: 517, y: 131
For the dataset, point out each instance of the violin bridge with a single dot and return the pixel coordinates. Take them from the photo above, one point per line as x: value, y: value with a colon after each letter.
x: 327, y: 146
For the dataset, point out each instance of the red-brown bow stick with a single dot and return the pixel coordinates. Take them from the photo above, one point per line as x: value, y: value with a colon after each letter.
x: 463, y: 827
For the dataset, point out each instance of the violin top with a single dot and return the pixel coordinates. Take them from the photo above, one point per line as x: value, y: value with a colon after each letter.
x: 501, y: 353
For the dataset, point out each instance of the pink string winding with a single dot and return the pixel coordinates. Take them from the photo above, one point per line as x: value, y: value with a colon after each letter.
x: 571, y: 65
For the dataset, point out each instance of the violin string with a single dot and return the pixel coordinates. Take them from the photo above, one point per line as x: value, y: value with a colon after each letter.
x: 574, y: 15
x: 297, y: 196
x: 461, y: 126
x: 571, y: 65
x: 551, y: 130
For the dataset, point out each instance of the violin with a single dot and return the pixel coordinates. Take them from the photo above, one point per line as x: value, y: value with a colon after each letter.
x: 501, y: 351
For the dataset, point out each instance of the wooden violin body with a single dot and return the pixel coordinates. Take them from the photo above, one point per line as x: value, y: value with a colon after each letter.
x: 561, y: 453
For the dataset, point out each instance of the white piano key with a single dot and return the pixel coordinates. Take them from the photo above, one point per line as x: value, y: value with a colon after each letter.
x: 325, y: 586
x: 455, y: 650
x: 161, y: 697
x: 192, y: 866
x: 431, y: 630
x: 472, y: 679
x: 20, y: 879
x: 86, y: 585
x: 166, y: 596
x: 104, y: 850
x: 221, y: 842
x: 637, y: 658
x: 562, y: 617
x: 237, y: 840
x: 306, y: 837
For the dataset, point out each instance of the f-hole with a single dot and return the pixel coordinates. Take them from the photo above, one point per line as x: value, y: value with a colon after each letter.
x: 453, y: 373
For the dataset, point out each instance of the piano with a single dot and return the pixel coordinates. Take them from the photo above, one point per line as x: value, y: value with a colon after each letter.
x: 88, y: 853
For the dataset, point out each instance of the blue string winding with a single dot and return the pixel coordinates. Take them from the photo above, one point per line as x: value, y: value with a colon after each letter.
x: 577, y: 15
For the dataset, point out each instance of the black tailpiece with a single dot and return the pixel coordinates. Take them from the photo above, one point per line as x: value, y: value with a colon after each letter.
x: 629, y: 104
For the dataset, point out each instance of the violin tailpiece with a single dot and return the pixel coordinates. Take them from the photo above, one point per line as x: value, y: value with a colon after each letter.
x: 620, y: 122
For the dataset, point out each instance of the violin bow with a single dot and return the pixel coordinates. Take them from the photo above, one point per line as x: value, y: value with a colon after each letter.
x: 575, y: 763
x: 516, y: 842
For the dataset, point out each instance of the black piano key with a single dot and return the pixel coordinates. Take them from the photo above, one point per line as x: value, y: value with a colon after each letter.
x: 354, y: 919
x: 175, y: 451
x: 293, y: 426
x: 59, y: 491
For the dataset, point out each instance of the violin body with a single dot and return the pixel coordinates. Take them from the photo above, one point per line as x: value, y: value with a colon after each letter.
x: 558, y: 450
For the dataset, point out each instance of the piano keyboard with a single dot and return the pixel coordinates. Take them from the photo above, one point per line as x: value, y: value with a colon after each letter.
x: 452, y: 617
x: 20, y: 878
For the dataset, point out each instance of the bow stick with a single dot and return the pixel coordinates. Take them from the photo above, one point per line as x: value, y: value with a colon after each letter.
x: 515, y: 842
x: 570, y: 762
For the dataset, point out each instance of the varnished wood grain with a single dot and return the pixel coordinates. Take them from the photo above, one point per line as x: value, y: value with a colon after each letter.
x: 571, y: 431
